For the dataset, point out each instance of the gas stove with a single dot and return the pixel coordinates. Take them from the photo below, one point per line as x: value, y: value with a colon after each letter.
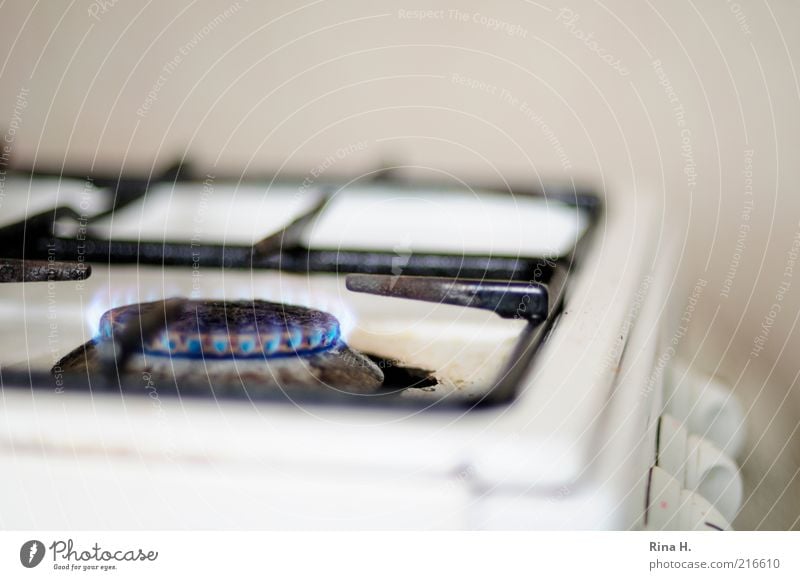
x: 206, y: 352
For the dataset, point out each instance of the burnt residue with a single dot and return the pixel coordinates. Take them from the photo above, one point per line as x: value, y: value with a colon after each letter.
x: 398, y: 376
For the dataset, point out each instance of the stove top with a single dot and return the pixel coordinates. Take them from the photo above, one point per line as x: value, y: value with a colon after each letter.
x: 413, y: 294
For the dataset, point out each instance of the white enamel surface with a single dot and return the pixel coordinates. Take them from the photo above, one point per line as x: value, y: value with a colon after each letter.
x: 672, y: 450
x: 700, y: 466
x: 670, y: 507
x: 707, y: 407
x: 469, y: 222
x: 714, y: 476
x: 698, y: 514
x: 664, y: 501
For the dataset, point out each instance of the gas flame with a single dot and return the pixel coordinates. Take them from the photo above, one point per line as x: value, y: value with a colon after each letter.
x: 296, y: 291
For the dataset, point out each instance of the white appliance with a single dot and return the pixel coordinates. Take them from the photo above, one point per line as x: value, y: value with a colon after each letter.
x: 607, y: 429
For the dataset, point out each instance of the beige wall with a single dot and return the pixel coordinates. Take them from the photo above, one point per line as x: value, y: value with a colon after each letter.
x: 277, y: 86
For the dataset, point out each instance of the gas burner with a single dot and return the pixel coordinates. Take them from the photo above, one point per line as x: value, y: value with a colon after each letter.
x: 235, y: 329
x: 256, y: 344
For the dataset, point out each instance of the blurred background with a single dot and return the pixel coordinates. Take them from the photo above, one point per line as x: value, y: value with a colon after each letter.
x: 692, y: 103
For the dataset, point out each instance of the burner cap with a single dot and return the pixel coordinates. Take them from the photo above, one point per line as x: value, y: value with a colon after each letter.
x: 232, y: 329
